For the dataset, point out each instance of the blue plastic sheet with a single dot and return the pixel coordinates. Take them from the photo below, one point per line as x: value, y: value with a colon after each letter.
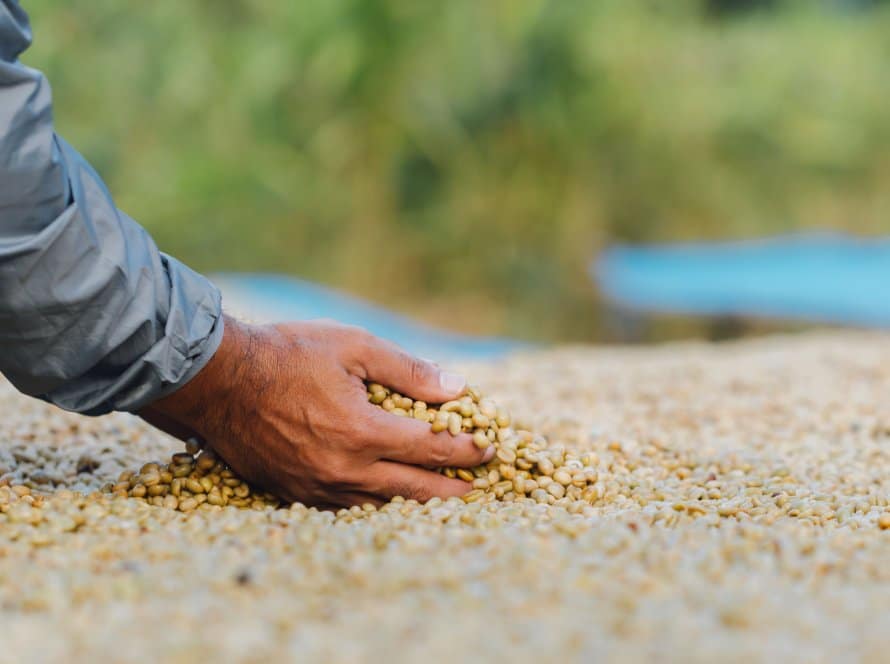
x: 817, y: 277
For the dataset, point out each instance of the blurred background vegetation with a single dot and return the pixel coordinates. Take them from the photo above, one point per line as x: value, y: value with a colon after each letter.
x: 463, y: 161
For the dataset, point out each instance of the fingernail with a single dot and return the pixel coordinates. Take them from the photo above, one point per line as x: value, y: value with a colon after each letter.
x: 452, y: 383
x: 489, y: 454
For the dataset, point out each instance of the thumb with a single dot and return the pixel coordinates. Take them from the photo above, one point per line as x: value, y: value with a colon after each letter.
x: 389, y: 365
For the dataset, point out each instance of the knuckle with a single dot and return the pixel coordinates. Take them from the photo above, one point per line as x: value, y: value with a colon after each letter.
x: 368, y: 433
x: 353, y: 433
x: 334, y: 472
x: 358, y: 338
x: 326, y: 476
x: 418, y: 371
x: 441, y: 449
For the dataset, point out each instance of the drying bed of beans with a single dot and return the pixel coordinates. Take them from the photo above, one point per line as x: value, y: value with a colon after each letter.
x: 732, y: 504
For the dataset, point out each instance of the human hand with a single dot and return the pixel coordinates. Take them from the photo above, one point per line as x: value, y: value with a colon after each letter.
x: 286, y: 407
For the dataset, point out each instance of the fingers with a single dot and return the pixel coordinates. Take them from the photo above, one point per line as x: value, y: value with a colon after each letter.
x: 386, y: 363
x: 389, y: 479
x: 412, y: 441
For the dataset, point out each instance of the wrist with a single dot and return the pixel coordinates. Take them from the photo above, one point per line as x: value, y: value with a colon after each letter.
x: 199, y: 399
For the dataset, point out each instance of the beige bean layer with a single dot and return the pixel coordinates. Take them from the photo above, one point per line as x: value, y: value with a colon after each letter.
x: 740, y: 512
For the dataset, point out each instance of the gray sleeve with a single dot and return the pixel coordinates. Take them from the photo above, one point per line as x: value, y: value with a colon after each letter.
x: 93, y: 317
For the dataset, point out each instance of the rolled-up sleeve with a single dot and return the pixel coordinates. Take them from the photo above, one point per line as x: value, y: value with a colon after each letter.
x: 93, y: 317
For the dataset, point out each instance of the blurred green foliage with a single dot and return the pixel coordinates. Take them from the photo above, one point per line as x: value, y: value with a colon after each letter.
x: 464, y: 160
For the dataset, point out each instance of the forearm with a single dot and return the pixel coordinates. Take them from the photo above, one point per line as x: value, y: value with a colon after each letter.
x: 92, y: 316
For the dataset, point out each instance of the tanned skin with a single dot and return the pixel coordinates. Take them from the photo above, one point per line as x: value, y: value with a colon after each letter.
x: 285, y: 406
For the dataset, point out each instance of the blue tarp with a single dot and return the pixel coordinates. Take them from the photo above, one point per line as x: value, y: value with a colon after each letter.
x: 821, y: 277
x: 270, y: 297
